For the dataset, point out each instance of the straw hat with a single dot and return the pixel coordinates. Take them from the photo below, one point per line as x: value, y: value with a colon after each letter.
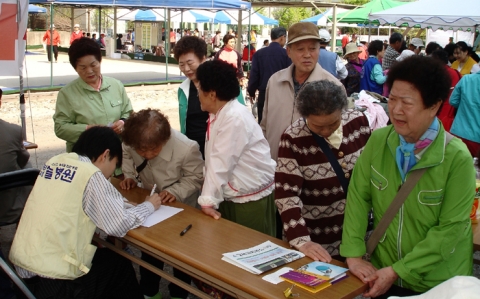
x: 351, y: 48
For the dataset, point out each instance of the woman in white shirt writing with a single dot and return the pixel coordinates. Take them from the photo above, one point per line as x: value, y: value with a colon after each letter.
x: 239, y: 172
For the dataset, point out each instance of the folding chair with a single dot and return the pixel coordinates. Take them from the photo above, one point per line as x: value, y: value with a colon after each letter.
x: 8, y: 180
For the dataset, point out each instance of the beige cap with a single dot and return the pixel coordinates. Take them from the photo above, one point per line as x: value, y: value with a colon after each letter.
x: 417, y: 42
x: 351, y: 48
x: 405, y: 53
x: 76, y: 26
x: 301, y: 31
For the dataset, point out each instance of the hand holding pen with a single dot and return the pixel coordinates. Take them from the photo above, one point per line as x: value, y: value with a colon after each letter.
x: 154, y: 198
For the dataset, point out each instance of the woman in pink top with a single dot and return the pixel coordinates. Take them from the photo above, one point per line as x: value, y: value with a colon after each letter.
x: 228, y: 54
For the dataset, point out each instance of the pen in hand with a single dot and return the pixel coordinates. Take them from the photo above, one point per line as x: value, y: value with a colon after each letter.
x: 186, y: 230
x: 153, y: 189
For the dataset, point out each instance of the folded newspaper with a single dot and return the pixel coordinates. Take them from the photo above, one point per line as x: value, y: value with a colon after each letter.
x: 263, y: 257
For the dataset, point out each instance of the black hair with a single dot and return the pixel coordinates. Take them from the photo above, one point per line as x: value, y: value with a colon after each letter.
x: 429, y: 76
x: 432, y: 46
x: 1, y: 93
x: 93, y: 142
x: 463, y: 47
x: 321, y: 98
x: 441, y: 55
x: 189, y: 44
x: 219, y: 76
x: 226, y: 38
x: 374, y: 47
x: 82, y: 47
x: 474, y: 56
x: 278, y: 32
x: 403, y: 46
x: 395, y: 37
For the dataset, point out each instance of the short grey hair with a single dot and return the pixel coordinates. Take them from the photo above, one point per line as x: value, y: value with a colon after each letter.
x: 321, y: 98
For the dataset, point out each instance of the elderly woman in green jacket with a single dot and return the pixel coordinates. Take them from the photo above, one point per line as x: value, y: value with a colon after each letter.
x: 430, y: 237
x: 91, y: 99
x: 190, y: 52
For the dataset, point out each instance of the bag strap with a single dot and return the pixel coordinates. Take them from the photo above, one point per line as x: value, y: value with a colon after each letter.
x: 397, y: 202
x: 140, y: 167
x: 333, y: 161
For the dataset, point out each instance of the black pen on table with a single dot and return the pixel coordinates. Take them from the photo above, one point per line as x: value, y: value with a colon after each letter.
x: 186, y: 230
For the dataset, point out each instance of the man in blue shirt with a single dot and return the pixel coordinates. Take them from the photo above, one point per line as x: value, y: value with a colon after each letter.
x: 266, y: 62
x: 330, y: 61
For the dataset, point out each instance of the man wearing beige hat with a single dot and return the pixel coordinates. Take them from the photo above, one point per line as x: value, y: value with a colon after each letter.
x: 303, y: 48
x: 76, y: 34
x: 416, y: 45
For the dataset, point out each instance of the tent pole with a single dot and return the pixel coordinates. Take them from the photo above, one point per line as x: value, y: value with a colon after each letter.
x: 51, y: 45
x: 72, y: 18
x: 477, y: 40
x: 20, y: 72
x: 115, y: 24
x: 181, y: 23
x: 249, y: 28
x: 100, y: 23
x: 167, y: 53
x: 239, y: 30
x: 334, y: 31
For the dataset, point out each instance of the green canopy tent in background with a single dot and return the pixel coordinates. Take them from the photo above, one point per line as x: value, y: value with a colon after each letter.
x: 360, y: 14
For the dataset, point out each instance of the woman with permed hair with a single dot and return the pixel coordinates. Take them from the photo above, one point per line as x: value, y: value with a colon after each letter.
x: 429, y: 239
x: 372, y: 74
x: 239, y: 171
x: 309, y: 192
x: 156, y: 154
x: 90, y: 100
x: 190, y: 52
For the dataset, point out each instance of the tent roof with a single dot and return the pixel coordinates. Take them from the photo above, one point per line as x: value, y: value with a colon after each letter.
x: 174, y: 4
x: 433, y: 13
x: 360, y: 15
x: 36, y: 9
x: 231, y: 17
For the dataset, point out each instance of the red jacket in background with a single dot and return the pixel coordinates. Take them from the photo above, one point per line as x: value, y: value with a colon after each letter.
x: 447, y: 111
x: 56, y: 37
x: 245, y: 53
x: 75, y: 36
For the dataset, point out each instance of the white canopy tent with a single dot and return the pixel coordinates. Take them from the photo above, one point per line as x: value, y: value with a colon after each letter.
x: 231, y: 17
x: 434, y: 14
x: 157, y: 15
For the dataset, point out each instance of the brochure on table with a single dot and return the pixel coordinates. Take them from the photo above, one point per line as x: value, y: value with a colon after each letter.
x: 315, y: 276
x: 263, y: 257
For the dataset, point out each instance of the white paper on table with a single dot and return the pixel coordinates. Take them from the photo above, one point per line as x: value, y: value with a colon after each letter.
x: 164, y: 212
x: 275, y: 276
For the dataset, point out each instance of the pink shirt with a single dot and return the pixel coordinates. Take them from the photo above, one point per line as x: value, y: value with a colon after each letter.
x: 229, y: 56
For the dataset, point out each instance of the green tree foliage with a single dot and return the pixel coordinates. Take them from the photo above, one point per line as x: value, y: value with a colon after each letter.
x: 289, y: 16
x: 356, y: 2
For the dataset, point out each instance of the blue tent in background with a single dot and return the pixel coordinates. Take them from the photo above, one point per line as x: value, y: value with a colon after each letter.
x: 222, y: 18
x: 267, y: 20
x: 231, y: 16
x: 36, y: 9
x: 146, y: 15
x: 315, y: 19
x: 157, y: 15
x: 173, y: 4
